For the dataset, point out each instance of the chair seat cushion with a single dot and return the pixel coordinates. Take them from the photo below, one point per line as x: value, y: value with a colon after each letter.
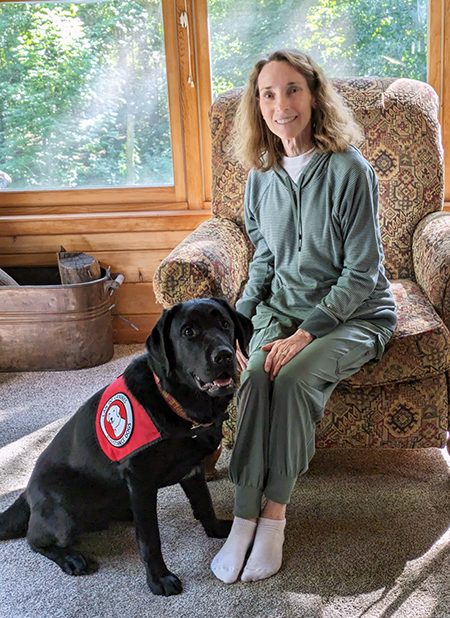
x: 419, y: 347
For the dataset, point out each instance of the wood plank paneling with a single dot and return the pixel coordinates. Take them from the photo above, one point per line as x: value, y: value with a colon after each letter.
x: 136, y: 307
x: 89, y: 243
x: 37, y: 210
x: 124, y: 333
x: 41, y: 259
x: 101, y: 222
x: 137, y: 299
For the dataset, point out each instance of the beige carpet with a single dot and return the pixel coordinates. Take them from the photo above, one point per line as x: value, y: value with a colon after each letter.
x: 368, y: 532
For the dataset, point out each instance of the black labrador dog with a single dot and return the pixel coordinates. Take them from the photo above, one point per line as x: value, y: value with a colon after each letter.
x: 151, y: 428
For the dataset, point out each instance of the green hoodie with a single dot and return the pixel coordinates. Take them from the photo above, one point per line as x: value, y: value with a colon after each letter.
x: 318, y: 252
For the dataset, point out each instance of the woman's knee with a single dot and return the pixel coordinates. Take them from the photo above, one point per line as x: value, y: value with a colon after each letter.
x: 298, y: 375
x: 255, y: 387
x: 254, y: 373
x: 254, y: 394
x: 299, y: 393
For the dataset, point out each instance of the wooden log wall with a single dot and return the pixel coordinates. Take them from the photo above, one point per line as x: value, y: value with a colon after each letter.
x: 129, y: 243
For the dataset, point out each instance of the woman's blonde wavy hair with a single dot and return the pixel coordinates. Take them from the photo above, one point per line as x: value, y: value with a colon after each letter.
x: 333, y: 125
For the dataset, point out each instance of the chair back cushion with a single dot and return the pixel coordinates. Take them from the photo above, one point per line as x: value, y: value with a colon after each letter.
x: 401, y: 140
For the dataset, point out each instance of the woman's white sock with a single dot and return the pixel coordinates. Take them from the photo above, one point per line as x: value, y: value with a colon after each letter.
x: 228, y: 563
x: 267, y: 553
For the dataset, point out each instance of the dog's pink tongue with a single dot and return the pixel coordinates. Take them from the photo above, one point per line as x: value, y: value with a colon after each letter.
x: 223, y: 381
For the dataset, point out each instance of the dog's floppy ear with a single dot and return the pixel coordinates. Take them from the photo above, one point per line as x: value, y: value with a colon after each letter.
x: 158, y: 343
x: 242, y: 325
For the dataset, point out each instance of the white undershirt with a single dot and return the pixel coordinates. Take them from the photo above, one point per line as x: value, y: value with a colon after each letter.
x: 295, y: 165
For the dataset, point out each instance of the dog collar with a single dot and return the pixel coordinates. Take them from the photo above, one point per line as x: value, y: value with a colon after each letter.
x: 175, y: 406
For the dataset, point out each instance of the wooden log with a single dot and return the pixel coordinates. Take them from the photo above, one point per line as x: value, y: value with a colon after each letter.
x: 5, y: 279
x: 77, y: 267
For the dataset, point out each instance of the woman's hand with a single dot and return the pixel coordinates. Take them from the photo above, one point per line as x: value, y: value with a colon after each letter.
x: 282, y: 350
x: 241, y: 358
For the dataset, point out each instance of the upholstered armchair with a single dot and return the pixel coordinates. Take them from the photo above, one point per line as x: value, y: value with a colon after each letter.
x: 401, y: 401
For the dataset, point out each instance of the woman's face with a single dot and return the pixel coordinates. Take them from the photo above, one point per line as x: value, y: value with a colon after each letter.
x: 286, y: 105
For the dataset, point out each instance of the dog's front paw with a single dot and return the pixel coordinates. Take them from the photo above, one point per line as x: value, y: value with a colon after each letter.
x: 218, y: 528
x: 166, y: 585
x: 74, y: 563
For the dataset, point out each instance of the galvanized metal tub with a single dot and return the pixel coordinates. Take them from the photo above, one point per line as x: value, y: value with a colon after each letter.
x: 50, y: 326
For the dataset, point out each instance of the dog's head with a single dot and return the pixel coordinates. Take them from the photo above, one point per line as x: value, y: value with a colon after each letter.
x: 194, y: 344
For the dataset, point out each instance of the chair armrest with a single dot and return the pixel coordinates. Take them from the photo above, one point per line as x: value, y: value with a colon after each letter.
x: 431, y: 258
x: 212, y: 261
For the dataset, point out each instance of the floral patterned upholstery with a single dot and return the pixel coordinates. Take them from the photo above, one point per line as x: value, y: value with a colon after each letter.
x: 402, y: 400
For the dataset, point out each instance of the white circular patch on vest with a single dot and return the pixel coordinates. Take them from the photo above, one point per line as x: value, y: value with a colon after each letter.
x: 116, y: 420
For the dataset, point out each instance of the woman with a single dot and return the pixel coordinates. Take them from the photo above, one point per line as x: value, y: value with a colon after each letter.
x: 317, y: 292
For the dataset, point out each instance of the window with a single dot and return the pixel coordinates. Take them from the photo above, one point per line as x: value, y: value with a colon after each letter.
x: 112, y: 137
x: 345, y: 37
x: 86, y: 102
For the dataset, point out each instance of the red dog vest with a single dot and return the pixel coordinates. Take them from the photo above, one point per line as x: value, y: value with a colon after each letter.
x: 123, y: 426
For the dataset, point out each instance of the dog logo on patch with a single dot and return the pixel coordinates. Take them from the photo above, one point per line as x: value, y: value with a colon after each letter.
x: 116, y: 420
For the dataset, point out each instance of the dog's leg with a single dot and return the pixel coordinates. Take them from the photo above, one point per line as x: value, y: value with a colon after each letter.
x: 196, y: 489
x: 70, y: 560
x: 143, y: 503
x: 52, y: 537
x: 14, y: 521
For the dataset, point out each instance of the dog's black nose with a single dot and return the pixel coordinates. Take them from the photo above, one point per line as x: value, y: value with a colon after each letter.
x: 222, y: 355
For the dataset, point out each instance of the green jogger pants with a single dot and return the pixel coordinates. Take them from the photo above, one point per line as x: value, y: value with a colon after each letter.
x: 275, y: 434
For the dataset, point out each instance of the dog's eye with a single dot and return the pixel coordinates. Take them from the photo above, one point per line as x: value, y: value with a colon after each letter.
x: 225, y: 324
x: 188, y: 332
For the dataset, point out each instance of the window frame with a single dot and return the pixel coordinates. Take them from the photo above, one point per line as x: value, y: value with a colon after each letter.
x: 189, y: 136
x: 191, y: 148
x: 438, y: 77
